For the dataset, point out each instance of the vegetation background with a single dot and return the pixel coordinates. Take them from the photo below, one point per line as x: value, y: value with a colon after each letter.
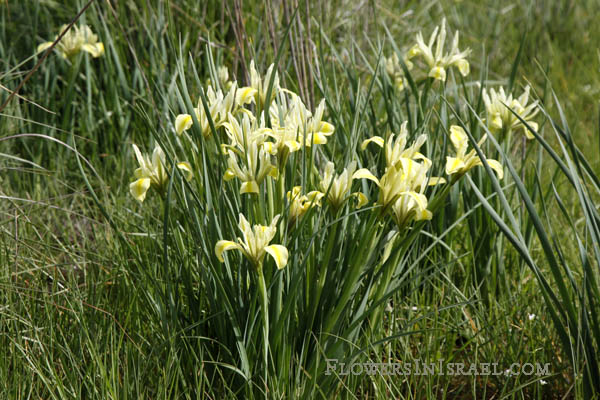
x: 78, y: 315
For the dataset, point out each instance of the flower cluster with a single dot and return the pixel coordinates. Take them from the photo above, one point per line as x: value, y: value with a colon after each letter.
x: 77, y: 39
x: 258, y: 131
x: 258, y: 135
x: 259, y: 127
x: 500, y: 107
x: 350, y: 220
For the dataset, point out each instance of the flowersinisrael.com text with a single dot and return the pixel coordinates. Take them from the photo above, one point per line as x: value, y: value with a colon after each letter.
x: 439, y: 367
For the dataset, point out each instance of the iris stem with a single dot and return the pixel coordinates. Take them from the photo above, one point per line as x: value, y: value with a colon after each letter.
x: 259, y: 213
x: 280, y: 190
x: 68, y: 104
x: 265, y: 313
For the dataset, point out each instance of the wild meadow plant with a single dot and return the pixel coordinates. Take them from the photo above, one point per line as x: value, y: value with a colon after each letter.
x: 339, y: 219
x: 340, y: 251
x: 292, y: 234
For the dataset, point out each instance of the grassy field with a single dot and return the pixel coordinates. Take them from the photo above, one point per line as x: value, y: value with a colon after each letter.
x: 109, y: 291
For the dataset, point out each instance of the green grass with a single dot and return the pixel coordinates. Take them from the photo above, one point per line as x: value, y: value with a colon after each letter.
x: 104, y: 297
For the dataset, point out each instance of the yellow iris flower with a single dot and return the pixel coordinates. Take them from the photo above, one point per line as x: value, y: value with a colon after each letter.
x: 300, y: 204
x: 465, y: 161
x: 395, y: 146
x: 401, y: 190
x: 151, y: 172
x: 338, y: 187
x: 288, y: 121
x: 262, y: 85
x: 220, y: 105
x: 410, y: 206
x: 255, y: 244
x: 437, y: 61
x: 406, y: 176
x: 294, y: 126
x: 255, y: 167
x: 499, y: 115
x: 78, y: 38
x: 241, y: 134
x: 318, y: 130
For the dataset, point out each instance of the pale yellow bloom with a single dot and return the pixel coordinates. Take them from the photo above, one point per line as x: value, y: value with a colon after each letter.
x: 465, y: 161
x: 300, y: 204
x: 253, y: 169
x: 255, y: 244
x: 395, y: 148
x: 231, y: 103
x: 499, y: 115
x: 223, y: 77
x: 402, y: 186
x: 294, y: 126
x: 152, y: 173
x: 240, y: 135
x: 78, y: 38
x: 285, y: 140
x: 410, y: 206
x: 183, y: 122
x: 289, y: 119
x: 337, y: 187
x: 407, y: 192
x: 318, y: 130
x: 220, y: 106
x: 290, y: 112
x: 249, y: 158
x: 404, y: 177
x: 244, y: 95
x: 436, y: 60
x: 262, y: 85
